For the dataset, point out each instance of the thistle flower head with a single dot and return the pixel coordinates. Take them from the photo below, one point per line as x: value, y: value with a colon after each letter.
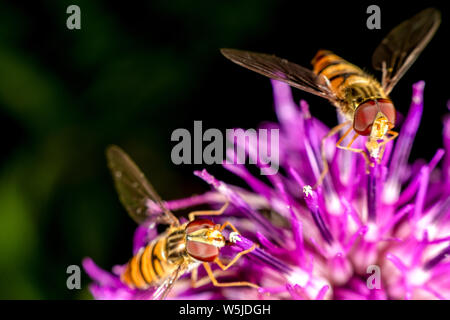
x: 382, y: 234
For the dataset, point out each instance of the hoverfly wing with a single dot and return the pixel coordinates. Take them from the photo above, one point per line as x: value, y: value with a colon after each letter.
x: 163, y: 290
x: 281, y: 69
x: 136, y: 194
x: 401, y: 47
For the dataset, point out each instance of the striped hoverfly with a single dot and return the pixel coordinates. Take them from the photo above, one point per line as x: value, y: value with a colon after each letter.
x: 363, y: 100
x: 181, y: 248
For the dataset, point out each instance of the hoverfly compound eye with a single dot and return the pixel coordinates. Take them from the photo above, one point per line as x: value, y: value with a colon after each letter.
x: 199, y: 224
x: 198, y: 250
x: 364, y: 117
x: 202, y: 251
x: 387, y: 108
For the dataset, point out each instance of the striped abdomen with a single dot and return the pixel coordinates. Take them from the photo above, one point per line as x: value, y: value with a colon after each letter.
x: 350, y: 84
x: 156, y: 261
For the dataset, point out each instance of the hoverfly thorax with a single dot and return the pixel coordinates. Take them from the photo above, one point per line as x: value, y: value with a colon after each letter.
x: 203, y: 240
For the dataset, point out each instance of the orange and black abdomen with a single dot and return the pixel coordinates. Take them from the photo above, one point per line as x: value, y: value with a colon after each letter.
x: 149, y: 267
x: 348, y: 82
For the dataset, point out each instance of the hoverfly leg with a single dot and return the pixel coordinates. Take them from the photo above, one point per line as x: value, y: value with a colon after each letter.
x: 196, y: 283
x: 228, y: 223
x: 348, y: 148
x: 193, y: 214
x: 392, y: 137
x: 332, y: 132
x: 353, y: 140
x: 226, y: 284
x: 235, y: 259
x: 194, y: 280
x: 383, y: 148
x: 384, y: 74
x: 240, y: 254
x: 385, y: 141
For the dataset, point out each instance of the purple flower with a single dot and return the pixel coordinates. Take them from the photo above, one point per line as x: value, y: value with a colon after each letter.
x: 384, y: 234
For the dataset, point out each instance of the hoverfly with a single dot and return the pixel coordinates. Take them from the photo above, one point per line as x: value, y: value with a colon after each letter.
x: 181, y: 248
x: 361, y: 98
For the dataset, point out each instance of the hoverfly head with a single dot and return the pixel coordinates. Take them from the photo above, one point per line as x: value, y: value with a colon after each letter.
x: 203, y: 240
x: 374, y: 117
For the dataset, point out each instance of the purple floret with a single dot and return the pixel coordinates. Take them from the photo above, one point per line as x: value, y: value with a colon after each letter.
x: 322, y: 240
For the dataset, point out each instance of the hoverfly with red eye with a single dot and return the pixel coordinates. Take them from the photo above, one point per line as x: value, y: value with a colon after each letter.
x: 360, y: 97
x: 181, y: 248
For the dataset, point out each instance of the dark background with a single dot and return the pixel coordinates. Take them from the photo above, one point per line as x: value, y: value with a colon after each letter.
x: 133, y: 73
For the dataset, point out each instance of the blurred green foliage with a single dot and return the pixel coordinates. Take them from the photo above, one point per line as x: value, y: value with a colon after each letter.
x: 65, y: 95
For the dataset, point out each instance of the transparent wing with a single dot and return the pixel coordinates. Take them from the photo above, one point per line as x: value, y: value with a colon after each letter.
x: 283, y: 70
x: 136, y: 194
x: 163, y: 290
x: 401, y: 47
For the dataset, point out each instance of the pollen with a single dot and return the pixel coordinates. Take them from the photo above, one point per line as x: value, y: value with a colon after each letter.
x: 307, y: 190
x: 234, y: 236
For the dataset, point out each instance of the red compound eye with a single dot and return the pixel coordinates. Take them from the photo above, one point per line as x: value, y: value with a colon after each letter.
x: 199, y: 224
x: 364, y: 117
x: 201, y: 251
x: 387, y: 108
